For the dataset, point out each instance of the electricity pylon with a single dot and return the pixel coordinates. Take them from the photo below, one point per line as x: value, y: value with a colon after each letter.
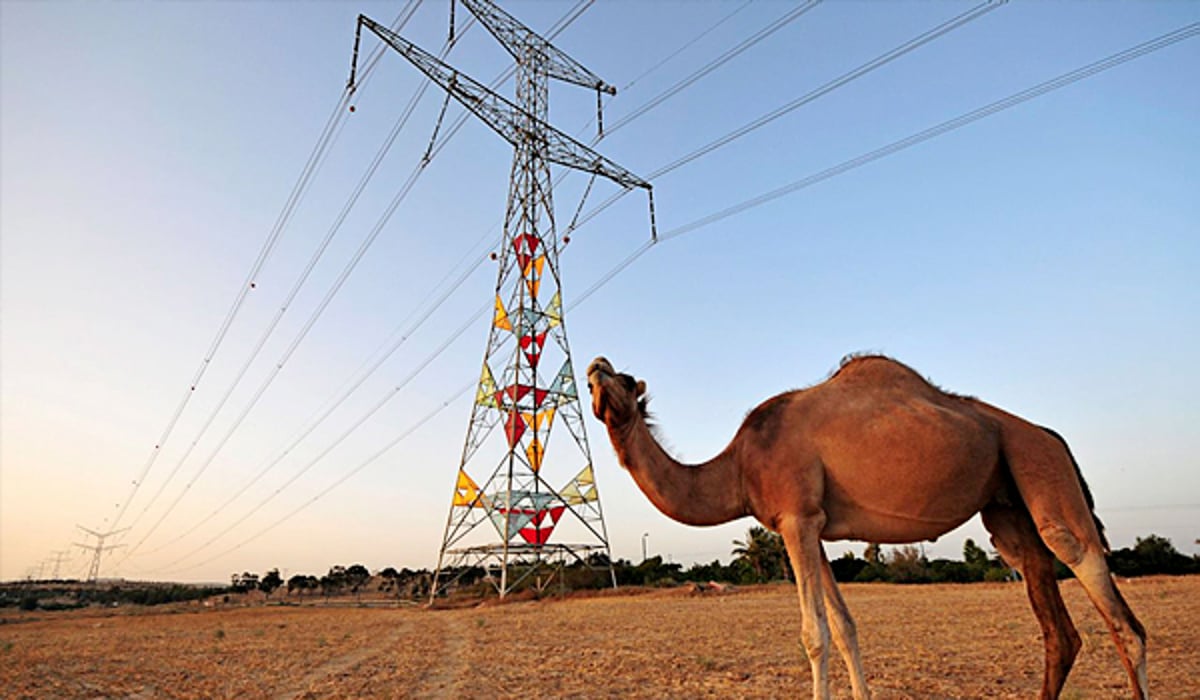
x: 99, y: 549
x: 527, y: 383
x: 59, y: 556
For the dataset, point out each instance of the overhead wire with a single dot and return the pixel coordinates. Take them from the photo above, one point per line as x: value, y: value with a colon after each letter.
x: 877, y: 62
x: 313, y: 317
x: 788, y: 17
x: 838, y: 82
x: 947, y: 126
x: 919, y: 137
x: 944, y: 127
x: 708, y: 68
x: 299, y: 189
x: 561, y: 24
x: 391, y: 394
x: 687, y: 45
x: 301, y: 185
x: 388, y: 396
x: 343, y: 479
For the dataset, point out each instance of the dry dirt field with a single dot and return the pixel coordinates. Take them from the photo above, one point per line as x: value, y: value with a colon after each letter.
x: 937, y: 641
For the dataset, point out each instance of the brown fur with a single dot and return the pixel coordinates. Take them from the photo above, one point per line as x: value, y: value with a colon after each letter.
x: 877, y: 453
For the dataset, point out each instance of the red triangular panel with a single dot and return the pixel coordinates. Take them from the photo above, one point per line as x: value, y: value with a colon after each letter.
x: 514, y: 427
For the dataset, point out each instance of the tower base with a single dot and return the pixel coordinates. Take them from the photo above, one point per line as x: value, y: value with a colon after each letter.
x: 528, y: 567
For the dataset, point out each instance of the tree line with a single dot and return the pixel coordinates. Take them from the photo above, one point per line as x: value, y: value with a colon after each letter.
x: 763, y: 553
x: 759, y: 558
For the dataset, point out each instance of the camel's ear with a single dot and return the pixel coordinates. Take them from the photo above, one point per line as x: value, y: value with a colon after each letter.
x: 642, y: 399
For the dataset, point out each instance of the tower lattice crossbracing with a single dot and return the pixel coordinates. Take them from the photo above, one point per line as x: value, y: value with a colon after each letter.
x: 524, y: 506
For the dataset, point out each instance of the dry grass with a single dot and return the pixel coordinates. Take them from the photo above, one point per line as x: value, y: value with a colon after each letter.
x: 944, y: 641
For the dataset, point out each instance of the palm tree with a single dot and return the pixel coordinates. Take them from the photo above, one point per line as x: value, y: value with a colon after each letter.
x: 764, y: 551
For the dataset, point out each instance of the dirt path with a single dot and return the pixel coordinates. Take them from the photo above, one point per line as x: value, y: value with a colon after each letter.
x: 343, y: 664
x: 451, y: 666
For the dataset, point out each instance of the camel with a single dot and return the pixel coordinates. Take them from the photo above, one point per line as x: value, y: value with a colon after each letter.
x: 876, y: 453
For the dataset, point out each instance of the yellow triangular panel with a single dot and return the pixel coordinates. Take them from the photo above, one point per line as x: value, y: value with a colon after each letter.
x: 534, y: 452
x: 466, y: 491
x: 533, y: 268
x: 590, y: 494
x: 486, y: 394
x: 501, y: 319
x: 554, y: 312
x: 586, y: 477
x: 571, y: 494
x: 545, y: 416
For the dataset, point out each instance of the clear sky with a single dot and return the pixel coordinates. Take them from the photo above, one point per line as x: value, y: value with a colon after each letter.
x: 1043, y: 258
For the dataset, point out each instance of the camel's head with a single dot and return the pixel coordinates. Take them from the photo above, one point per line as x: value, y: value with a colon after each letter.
x: 616, y: 398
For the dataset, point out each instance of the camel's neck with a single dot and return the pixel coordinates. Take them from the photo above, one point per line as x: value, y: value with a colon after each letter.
x: 702, y: 494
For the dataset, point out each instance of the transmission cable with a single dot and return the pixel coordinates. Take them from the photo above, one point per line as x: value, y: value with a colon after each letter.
x: 854, y: 74
x: 830, y: 86
x: 299, y: 189
x: 877, y: 62
x: 949, y: 125
x: 314, y: 161
x: 1015, y: 99
x: 362, y: 465
x: 313, y: 317
x: 666, y: 59
x: 391, y: 394
x: 297, y: 286
x: 721, y: 60
x: 946, y: 126
x: 573, y: 14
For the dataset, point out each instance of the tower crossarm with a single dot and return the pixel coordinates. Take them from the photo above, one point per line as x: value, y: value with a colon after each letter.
x: 514, y: 124
x: 521, y: 41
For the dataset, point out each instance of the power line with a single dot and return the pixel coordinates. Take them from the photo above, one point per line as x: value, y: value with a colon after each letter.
x: 687, y: 45
x: 311, y: 167
x: 375, y: 408
x: 909, y: 141
x: 854, y: 74
x: 944, y: 127
x: 716, y: 63
x: 828, y: 87
x: 362, y: 465
x: 313, y: 317
x: 860, y: 71
x: 565, y: 21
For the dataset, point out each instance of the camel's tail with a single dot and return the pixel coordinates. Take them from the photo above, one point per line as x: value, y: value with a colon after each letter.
x: 1087, y: 493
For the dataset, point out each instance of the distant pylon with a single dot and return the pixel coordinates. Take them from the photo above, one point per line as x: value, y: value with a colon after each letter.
x: 527, y: 382
x: 59, y: 556
x: 98, y: 550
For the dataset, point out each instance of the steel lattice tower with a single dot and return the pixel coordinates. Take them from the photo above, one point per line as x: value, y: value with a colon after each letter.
x: 511, y: 490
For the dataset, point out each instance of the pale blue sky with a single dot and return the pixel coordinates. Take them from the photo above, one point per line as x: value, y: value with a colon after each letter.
x: 1043, y: 259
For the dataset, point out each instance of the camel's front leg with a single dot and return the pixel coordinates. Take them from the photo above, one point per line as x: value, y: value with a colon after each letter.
x: 801, y: 534
x: 845, y: 635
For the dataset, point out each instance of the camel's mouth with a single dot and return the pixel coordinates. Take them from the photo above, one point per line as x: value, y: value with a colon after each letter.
x: 600, y: 365
x: 608, y: 386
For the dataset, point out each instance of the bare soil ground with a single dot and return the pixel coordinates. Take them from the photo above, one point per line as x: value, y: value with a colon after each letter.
x: 937, y: 641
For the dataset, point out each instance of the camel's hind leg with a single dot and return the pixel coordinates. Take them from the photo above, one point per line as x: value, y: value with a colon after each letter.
x: 845, y: 635
x: 1048, y: 480
x: 1013, y: 533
